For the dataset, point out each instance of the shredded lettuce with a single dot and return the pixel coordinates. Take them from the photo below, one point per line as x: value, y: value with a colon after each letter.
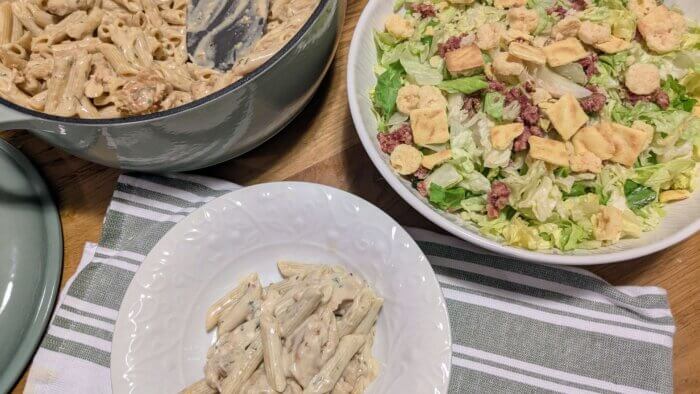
x: 546, y: 20
x: 445, y: 176
x: 445, y: 198
x: 475, y: 204
x: 493, y: 105
x: 610, y: 68
x: 466, y: 85
x: 534, y: 193
x: 621, y: 20
x: 387, y: 90
x: 637, y: 195
x: 456, y: 21
x: 661, y: 177
x: 472, y: 180
x: 519, y: 233
x: 612, y: 4
x: 678, y: 95
x: 420, y: 73
x: 650, y: 216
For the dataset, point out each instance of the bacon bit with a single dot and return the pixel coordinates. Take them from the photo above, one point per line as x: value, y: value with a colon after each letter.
x: 516, y: 94
x: 529, y: 87
x: 557, y: 10
x: 422, y: 188
x: 530, y: 114
x: 659, y: 97
x: 662, y: 99
x: 497, y: 199
x: 593, y: 103
x: 522, y: 142
x: 425, y: 10
x: 453, y: 43
x: 590, y: 65
x: 421, y: 174
x: 578, y: 5
x: 472, y: 104
x: 389, y: 141
x: 497, y: 86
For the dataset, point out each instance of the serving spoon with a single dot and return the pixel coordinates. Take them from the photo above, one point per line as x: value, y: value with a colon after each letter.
x: 221, y: 31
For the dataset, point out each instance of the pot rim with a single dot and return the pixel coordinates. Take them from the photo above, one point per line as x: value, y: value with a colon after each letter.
x: 189, y: 106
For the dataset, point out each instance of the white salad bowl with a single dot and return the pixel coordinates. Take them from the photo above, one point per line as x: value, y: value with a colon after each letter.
x: 160, y: 343
x: 682, y: 219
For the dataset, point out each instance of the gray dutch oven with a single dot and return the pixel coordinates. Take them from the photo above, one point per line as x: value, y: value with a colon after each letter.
x: 207, y: 131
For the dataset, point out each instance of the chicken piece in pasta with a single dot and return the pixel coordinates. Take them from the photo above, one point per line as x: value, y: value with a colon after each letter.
x: 142, y: 94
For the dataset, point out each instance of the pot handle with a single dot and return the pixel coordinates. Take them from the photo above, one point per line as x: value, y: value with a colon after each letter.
x: 11, y: 119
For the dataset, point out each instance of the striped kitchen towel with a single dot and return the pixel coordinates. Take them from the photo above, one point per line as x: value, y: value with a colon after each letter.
x: 516, y: 327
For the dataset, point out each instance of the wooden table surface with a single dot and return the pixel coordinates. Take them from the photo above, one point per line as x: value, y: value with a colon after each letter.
x: 321, y: 146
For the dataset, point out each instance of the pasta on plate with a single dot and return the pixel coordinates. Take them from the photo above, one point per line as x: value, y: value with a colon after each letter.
x: 310, y: 333
x: 116, y: 58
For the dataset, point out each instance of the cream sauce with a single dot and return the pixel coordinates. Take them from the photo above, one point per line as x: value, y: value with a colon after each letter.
x: 307, y: 348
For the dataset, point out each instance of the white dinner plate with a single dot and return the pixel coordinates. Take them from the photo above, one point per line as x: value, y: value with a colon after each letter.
x: 160, y: 344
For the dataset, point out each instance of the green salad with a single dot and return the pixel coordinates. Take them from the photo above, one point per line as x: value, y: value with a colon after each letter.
x: 547, y: 124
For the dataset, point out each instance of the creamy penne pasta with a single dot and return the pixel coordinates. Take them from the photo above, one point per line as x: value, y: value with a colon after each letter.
x: 310, y: 333
x: 123, y: 57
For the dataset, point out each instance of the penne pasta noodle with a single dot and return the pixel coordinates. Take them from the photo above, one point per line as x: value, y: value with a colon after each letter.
x: 368, y: 322
x: 41, y: 17
x: 59, y: 32
x: 75, y: 85
x: 86, y: 26
x: 25, y: 41
x: 17, y: 29
x: 176, y: 75
x: 356, y: 313
x: 289, y: 268
x: 20, y: 11
x: 109, y: 111
x: 38, y: 100
x: 89, y: 44
x: 13, y: 56
x: 116, y: 59
x: 176, y: 99
x: 174, y: 17
x: 152, y: 14
x: 215, y: 310
x: 66, y: 7
x: 200, y: 387
x: 298, y: 312
x: 57, y: 83
x: 132, y: 6
x: 39, y: 68
x: 6, y: 19
x: 86, y: 110
x: 142, y: 50
x: 272, y: 346
x: 325, y: 380
x: 236, y: 314
x: 242, y: 371
x: 32, y: 86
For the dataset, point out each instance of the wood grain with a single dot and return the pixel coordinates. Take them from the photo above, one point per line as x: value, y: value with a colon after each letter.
x: 321, y: 146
